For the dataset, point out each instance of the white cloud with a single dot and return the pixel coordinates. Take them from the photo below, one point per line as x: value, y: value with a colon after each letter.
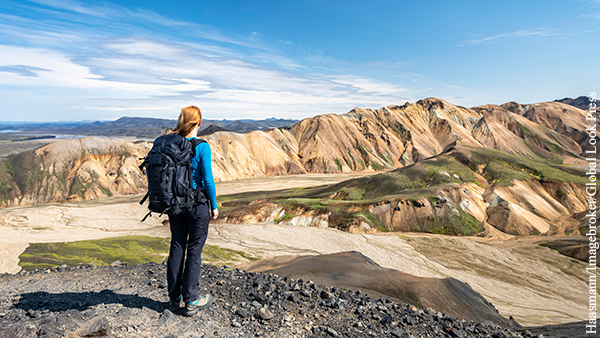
x: 97, y: 70
x: 368, y: 86
x: 145, y: 48
x: 73, y: 6
x: 539, y: 32
x: 593, y: 15
x: 60, y: 70
x: 140, y: 75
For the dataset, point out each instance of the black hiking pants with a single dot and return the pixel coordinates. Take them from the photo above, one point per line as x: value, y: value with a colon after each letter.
x: 189, y: 230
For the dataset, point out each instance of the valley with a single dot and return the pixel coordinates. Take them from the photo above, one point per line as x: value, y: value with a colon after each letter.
x: 442, y: 169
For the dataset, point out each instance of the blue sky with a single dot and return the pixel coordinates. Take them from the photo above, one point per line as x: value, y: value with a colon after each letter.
x: 100, y: 60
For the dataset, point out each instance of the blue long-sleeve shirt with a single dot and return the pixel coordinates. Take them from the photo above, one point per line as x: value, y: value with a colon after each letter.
x: 204, y: 176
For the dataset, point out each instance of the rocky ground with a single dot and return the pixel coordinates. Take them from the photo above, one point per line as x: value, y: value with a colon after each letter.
x: 131, y: 301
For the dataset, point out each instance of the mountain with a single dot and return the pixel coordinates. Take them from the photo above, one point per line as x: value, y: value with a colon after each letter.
x: 241, y: 126
x: 133, y: 122
x: 464, y: 191
x: 72, y: 170
x: 210, y: 130
x: 126, y: 126
x: 582, y: 102
x: 559, y: 117
x: 245, y: 126
x: 140, y: 127
x: 451, y: 169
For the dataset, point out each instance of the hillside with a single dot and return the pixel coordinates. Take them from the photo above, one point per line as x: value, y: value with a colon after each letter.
x: 460, y: 192
x: 353, y: 270
x: 454, y: 170
x: 72, y: 170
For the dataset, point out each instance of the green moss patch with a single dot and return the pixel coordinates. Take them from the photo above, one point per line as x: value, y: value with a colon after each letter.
x: 128, y: 249
x: 525, y: 130
x: 371, y: 220
x: 554, y: 148
x: 353, y: 194
x: 501, y: 168
x: 503, y: 174
x: 377, y: 167
x: 403, y: 181
x: 284, y: 217
x: 214, y: 255
x: 460, y: 223
x: 338, y: 163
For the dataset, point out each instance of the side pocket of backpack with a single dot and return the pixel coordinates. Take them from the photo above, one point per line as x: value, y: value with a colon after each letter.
x: 160, y: 184
x: 182, y: 184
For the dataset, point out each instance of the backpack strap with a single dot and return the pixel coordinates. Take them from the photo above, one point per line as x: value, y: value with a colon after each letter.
x: 195, y: 143
x: 147, y: 215
x: 145, y: 198
x: 200, y: 196
x: 143, y: 164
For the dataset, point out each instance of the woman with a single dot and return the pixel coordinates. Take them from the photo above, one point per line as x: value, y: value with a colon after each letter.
x: 190, y: 228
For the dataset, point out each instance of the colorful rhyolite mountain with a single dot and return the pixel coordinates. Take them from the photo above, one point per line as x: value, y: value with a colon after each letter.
x: 445, y: 169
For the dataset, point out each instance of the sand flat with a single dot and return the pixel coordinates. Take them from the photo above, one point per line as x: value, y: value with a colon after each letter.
x: 116, y: 216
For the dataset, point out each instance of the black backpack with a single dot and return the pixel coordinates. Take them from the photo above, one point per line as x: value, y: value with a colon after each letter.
x: 168, y: 167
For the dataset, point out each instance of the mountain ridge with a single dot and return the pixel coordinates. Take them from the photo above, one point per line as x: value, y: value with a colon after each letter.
x: 469, y: 158
x: 141, y: 127
x: 581, y: 102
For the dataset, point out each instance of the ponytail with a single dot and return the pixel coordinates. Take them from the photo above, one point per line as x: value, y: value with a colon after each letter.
x: 188, y: 119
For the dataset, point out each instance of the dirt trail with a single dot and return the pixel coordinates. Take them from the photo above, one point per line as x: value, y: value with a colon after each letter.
x: 282, y: 182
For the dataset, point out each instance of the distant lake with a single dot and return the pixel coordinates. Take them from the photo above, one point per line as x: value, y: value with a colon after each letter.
x: 54, y: 136
x: 50, y: 136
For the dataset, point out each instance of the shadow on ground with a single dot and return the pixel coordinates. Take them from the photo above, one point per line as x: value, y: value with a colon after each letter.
x: 79, y: 301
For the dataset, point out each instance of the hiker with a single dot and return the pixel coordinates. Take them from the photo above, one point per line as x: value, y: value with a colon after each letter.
x: 189, y: 228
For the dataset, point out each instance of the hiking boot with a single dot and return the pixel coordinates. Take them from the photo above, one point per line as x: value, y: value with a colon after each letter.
x: 174, y: 304
x: 197, y: 305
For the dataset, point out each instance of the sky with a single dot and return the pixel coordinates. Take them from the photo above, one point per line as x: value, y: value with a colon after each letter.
x: 67, y: 60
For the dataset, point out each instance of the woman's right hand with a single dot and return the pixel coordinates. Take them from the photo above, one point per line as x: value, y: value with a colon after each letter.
x: 215, y: 214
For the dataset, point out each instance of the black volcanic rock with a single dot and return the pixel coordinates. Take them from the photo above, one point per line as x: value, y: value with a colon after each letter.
x: 118, y: 301
x: 576, y: 247
x: 354, y: 270
x: 582, y: 102
x: 211, y: 129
